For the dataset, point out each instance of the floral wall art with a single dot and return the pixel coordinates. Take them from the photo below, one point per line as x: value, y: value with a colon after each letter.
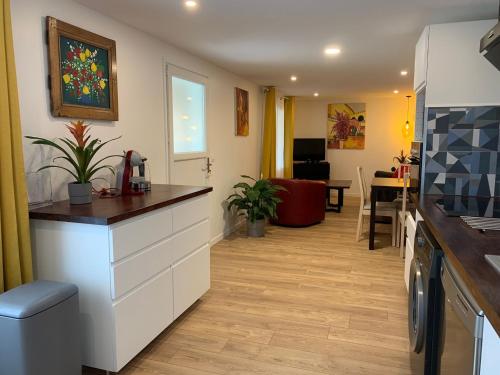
x: 82, y: 65
x: 346, y: 126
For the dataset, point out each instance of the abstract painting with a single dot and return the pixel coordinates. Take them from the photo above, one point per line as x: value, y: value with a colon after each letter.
x: 346, y: 126
x: 242, y: 121
x: 82, y: 73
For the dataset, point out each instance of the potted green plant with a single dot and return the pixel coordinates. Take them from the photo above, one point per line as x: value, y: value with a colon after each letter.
x: 257, y: 202
x: 79, y: 154
x: 401, y: 158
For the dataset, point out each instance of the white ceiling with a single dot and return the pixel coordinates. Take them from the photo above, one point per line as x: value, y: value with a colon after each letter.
x: 266, y: 41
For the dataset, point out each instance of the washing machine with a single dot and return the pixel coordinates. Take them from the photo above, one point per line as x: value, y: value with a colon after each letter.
x: 424, y: 303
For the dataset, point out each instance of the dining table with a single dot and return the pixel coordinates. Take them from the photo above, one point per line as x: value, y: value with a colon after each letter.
x: 382, y: 184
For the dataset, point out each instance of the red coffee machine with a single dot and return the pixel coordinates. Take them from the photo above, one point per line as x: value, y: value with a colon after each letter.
x: 126, y: 181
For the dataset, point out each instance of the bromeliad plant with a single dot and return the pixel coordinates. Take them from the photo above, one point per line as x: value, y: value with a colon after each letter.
x: 257, y: 201
x: 79, y: 153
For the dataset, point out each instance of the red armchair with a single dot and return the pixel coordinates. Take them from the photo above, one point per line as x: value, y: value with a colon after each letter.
x: 303, y: 204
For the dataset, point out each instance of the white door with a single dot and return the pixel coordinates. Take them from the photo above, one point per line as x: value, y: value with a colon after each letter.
x: 189, y: 162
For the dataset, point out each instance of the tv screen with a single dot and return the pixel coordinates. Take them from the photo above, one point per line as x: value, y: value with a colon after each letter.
x: 312, y: 149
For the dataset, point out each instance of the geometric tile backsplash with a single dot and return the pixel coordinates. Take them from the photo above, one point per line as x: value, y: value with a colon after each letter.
x: 462, y: 151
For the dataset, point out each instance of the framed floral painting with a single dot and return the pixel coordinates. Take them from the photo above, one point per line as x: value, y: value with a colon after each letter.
x: 82, y: 65
x: 241, y: 110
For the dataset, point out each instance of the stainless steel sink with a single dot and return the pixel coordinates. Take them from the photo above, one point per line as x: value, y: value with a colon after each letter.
x: 494, y: 260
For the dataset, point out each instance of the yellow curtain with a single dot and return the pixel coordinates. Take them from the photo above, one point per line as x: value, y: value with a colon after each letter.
x: 289, y: 133
x: 268, y: 166
x: 15, y: 249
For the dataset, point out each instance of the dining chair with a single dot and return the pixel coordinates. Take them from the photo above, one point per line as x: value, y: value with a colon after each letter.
x: 384, y: 209
x: 403, y: 214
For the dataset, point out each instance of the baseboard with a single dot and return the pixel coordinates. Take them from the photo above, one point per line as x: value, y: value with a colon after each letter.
x: 219, y: 237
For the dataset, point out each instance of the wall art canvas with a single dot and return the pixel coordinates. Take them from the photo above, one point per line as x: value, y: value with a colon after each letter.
x: 346, y: 126
x: 242, y: 112
x: 82, y: 73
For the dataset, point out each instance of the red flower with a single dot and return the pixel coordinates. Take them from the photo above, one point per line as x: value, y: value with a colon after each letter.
x: 77, y: 51
x: 84, y: 71
x: 69, y: 55
x: 99, y: 74
x: 79, y: 130
x: 76, y: 83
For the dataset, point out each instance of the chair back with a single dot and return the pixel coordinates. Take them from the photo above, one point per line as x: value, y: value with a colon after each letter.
x: 362, y: 186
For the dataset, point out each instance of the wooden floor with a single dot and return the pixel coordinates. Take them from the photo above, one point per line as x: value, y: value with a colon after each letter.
x: 299, y: 301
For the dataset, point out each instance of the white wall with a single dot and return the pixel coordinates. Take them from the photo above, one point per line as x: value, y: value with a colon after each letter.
x: 384, y: 137
x: 141, y: 60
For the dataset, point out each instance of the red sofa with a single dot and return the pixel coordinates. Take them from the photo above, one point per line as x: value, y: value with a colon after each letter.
x: 303, y: 204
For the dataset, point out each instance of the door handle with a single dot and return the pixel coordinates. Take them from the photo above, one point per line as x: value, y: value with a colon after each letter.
x: 208, y: 167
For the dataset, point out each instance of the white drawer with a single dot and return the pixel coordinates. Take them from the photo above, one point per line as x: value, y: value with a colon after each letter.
x: 190, y: 212
x: 411, y: 227
x: 140, y: 267
x: 408, y: 260
x: 191, y: 279
x: 141, y: 316
x: 189, y: 240
x: 139, y: 232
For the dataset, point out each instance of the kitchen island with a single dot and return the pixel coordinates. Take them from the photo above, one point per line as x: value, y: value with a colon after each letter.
x: 139, y: 262
x: 465, y: 248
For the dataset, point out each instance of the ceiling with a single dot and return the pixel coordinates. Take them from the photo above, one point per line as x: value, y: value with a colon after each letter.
x: 267, y: 41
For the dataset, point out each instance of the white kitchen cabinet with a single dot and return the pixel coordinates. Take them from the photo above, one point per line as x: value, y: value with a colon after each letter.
x: 420, y: 70
x: 450, y: 67
x: 134, y: 276
x: 490, y: 359
x: 411, y: 227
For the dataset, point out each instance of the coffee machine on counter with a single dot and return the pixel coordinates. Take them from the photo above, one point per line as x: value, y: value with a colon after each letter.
x: 126, y: 181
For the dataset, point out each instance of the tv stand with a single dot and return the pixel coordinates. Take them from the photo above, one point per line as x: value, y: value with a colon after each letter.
x: 311, y: 170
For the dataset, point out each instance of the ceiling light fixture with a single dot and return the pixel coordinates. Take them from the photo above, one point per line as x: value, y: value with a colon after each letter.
x: 293, y: 78
x: 404, y: 73
x: 332, y: 51
x: 316, y: 94
x: 406, y: 127
x: 190, y: 4
x: 396, y: 91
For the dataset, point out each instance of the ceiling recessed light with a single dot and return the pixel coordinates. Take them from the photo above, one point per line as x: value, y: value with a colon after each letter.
x: 331, y: 51
x: 316, y: 94
x: 396, y: 91
x: 293, y: 78
x: 190, y: 4
x: 404, y: 72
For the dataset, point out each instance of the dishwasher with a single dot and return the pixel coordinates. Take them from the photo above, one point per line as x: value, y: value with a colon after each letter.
x: 462, y: 326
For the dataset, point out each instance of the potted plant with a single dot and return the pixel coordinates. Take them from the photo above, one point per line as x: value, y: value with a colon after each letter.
x: 79, y: 155
x: 401, y: 158
x: 257, y: 202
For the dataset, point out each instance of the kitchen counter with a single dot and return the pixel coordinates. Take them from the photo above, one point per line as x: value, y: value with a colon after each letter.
x: 465, y: 248
x: 107, y: 211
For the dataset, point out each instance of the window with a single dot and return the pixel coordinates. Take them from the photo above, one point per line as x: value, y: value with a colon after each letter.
x: 188, y: 112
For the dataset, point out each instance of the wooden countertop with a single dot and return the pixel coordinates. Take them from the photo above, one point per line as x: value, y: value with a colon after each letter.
x: 106, y: 211
x: 465, y: 248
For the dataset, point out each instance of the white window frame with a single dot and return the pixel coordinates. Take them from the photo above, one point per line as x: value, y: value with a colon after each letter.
x: 175, y: 71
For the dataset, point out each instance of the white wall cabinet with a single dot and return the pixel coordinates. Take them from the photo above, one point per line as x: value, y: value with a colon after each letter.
x: 134, y: 277
x: 420, y: 71
x: 451, y: 68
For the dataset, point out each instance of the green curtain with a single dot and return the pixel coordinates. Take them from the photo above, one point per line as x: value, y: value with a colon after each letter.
x: 15, y: 249
x: 268, y: 165
x: 289, y: 134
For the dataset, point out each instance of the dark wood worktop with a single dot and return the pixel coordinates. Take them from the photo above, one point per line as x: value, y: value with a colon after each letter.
x: 465, y: 248
x: 106, y: 211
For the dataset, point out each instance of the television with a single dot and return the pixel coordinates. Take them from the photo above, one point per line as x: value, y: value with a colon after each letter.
x: 309, y: 149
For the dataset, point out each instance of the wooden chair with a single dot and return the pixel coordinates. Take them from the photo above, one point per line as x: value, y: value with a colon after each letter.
x: 403, y: 215
x: 384, y: 209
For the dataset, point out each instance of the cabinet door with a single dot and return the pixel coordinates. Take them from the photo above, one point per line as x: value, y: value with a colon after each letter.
x: 141, y: 316
x: 421, y: 50
x: 408, y: 260
x: 191, y: 279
